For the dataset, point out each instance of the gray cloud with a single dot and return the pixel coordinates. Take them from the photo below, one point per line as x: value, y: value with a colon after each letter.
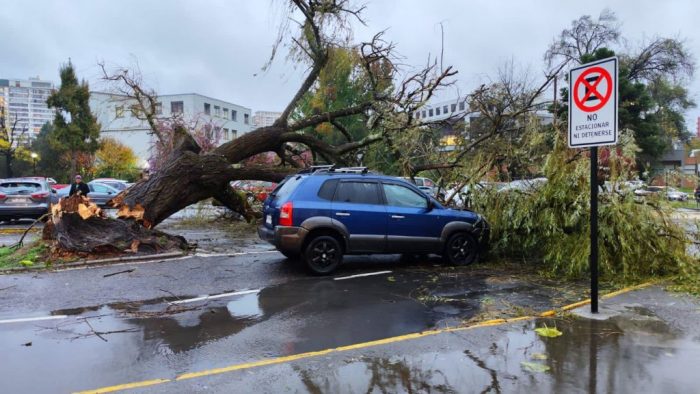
x: 218, y: 47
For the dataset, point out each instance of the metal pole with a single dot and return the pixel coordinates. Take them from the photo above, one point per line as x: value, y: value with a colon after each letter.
x: 593, y: 260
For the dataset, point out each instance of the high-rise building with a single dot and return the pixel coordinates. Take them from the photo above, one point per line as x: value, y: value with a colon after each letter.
x: 698, y: 129
x: 24, y: 105
x: 265, y: 118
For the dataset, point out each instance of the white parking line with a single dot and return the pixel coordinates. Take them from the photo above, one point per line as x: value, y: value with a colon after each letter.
x: 362, y: 275
x: 40, y: 318
x: 213, y: 297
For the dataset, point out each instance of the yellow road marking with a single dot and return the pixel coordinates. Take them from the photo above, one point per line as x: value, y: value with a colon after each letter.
x: 363, y: 345
x: 125, y: 386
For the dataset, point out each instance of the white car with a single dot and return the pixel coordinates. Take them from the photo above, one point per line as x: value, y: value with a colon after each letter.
x: 676, y: 195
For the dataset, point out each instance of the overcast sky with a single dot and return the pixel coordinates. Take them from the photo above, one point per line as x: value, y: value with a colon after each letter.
x: 217, y: 48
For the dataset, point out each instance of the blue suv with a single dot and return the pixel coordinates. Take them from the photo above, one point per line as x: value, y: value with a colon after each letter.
x: 322, y: 214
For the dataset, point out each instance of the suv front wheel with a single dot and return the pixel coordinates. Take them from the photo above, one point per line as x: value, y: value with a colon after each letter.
x: 461, y: 249
x: 323, y: 254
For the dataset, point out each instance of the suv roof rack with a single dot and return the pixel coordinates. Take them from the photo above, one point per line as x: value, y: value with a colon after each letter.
x: 331, y: 169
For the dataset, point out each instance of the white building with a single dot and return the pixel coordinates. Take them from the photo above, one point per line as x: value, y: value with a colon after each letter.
x: 265, y: 118
x: 24, y: 100
x: 119, y: 120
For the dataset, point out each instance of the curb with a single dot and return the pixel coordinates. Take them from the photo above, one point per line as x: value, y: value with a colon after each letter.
x: 98, y: 262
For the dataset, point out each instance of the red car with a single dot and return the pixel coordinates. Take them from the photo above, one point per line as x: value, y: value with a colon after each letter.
x: 254, y: 190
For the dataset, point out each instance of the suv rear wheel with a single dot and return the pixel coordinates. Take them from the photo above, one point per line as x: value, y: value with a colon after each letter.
x: 323, y: 254
x: 461, y: 249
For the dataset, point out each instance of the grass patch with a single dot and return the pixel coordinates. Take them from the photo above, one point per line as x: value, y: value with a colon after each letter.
x: 31, y: 255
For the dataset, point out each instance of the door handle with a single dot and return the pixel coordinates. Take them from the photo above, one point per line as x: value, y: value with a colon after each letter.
x: 342, y: 214
x: 398, y: 217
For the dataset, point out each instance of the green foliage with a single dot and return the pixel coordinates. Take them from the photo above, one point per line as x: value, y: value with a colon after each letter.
x: 27, y: 256
x: 116, y: 160
x: 79, y: 133
x: 637, y: 239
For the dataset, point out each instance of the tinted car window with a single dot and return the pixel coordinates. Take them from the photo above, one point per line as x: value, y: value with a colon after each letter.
x: 287, y: 188
x: 97, y: 188
x: 328, y: 189
x: 401, y: 196
x: 357, y: 192
x: 20, y: 187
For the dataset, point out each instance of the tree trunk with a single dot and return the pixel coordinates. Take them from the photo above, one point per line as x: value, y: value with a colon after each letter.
x: 8, y: 165
x: 187, y: 178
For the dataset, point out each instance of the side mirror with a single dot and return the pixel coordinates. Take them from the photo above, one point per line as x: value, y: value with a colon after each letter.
x: 431, y: 205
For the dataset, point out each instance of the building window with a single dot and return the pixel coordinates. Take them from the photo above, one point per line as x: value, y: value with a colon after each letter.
x: 454, y: 107
x: 135, y: 110
x: 444, y: 110
x: 430, y: 112
x: 119, y: 111
x: 417, y: 114
x: 246, y: 118
x: 423, y: 114
x: 177, y: 107
x: 159, y: 108
x: 225, y: 113
x: 234, y: 115
x: 461, y: 106
x: 207, y: 108
x: 217, y: 111
x: 234, y: 134
x: 225, y: 134
x: 437, y: 111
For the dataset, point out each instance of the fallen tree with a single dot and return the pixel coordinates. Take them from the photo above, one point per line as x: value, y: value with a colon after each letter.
x: 189, y: 175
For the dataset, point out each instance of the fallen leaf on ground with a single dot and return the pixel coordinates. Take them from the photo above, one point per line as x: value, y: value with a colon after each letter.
x: 539, y: 356
x: 534, y: 367
x: 549, y: 332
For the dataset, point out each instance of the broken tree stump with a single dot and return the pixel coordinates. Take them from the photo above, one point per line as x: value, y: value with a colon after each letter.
x: 79, y: 226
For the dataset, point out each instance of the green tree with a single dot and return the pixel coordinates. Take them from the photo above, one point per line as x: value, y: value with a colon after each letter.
x: 652, y: 95
x: 12, y: 142
x: 116, y: 160
x: 49, y: 161
x: 76, y: 130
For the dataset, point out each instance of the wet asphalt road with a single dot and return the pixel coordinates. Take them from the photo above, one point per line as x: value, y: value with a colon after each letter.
x: 136, y: 322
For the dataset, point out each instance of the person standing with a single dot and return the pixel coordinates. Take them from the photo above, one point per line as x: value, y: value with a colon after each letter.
x: 78, y: 187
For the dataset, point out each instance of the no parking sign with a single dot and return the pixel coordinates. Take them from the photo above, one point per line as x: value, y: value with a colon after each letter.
x: 593, y: 104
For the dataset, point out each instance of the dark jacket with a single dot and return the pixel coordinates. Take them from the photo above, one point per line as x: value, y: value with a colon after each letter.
x: 81, y: 187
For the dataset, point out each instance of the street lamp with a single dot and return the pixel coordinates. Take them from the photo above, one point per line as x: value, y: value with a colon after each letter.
x: 34, y: 156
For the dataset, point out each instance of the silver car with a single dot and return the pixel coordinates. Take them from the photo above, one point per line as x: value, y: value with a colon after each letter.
x: 24, y: 198
x: 99, y: 194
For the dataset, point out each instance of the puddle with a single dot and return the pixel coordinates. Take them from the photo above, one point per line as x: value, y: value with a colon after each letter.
x: 590, y: 356
x: 140, y: 340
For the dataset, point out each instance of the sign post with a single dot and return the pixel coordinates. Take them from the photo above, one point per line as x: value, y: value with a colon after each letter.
x: 593, y: 123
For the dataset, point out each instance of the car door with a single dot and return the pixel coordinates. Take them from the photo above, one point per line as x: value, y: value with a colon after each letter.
x: 357, y: 206
x: 413, y: 226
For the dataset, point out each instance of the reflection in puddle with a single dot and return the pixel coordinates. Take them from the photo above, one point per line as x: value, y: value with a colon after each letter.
x: 245, y: 306
x: 590, y: 356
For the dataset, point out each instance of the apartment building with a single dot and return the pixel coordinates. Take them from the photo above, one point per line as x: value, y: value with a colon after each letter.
x: 265, y: 118
x: 120, y: 119
x: 24, y: 105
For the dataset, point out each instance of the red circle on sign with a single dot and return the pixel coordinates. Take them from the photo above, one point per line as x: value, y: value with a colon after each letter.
x: 591, y: 89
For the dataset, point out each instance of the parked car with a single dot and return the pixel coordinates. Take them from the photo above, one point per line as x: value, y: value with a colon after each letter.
x: 254, y: 190
x: 320, y: 217
x: 676, y: 195
x: 697, y: 193
x: 648, y: 191
x: 118, y: 184
x: 100, y: 193
x: 24, y: 198
x: 425, y: 184
x: 524, y: 185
